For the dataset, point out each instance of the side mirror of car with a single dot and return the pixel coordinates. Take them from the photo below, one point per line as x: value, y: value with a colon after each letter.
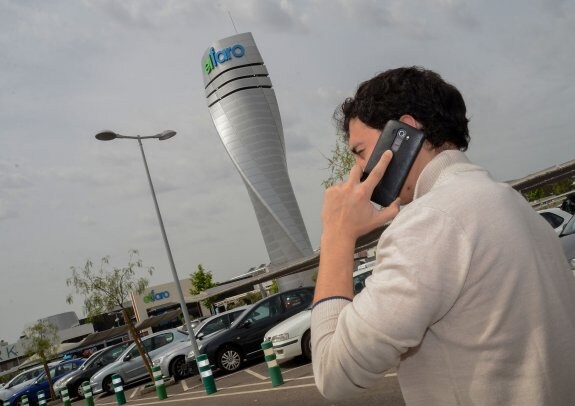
x: 127, y: 357
x: 200, y: 336
x: 246, y: 324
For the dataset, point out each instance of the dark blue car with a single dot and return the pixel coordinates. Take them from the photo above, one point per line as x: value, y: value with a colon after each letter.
x: 41, y: 383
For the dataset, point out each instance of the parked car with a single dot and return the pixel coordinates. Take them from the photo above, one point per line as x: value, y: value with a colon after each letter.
x: 229, y: 348
x: 20, y: 380
x: 567, y: 238
x: 174, y: 363
x: 556, y: 217
x: 292, y: 337
x: 41, y: 382
x: 196, y: 322
x: 130, y: 366
x: 73, y: 381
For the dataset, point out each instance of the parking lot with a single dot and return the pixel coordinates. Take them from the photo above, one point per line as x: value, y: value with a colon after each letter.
x: 252, y: 386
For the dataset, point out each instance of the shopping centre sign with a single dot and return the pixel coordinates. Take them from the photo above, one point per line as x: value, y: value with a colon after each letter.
x: 216, y: 58
x: 153, y: 296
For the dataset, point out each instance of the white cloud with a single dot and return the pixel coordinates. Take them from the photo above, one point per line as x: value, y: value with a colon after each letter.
x: 73, y: 68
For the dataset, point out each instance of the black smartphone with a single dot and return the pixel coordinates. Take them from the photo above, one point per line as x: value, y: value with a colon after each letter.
x: 405, y: 142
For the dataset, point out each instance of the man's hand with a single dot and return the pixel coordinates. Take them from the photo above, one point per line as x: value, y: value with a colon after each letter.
x: 346, y: 215
x: 347, y: 210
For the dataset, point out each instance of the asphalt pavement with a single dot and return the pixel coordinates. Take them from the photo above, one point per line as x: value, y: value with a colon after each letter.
x: 252, y: 386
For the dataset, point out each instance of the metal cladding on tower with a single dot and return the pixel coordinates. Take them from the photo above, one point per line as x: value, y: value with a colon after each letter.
x: 245, y: 112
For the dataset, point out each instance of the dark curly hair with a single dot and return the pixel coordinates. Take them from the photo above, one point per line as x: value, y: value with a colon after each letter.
x: 421, y: 93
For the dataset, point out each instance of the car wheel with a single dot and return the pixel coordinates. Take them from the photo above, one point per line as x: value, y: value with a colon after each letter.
x: 107, y: 385
x: 179, y: 369
x: 229, y: 359
x: 306, y: 345
x: 78, y: 391
x: 18, y: 402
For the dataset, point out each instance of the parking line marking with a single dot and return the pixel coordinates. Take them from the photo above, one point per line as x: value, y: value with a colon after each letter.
x: 286, y: 370
x: 222, y: 391
x: 249, y: 371
x: 219, y: 395
x: 134, y: 393
x: 392, y: 374
x: 184, y: 386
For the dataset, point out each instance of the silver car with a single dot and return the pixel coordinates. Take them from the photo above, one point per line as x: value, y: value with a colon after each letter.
x: 130, y: 366
x: 173, y: 362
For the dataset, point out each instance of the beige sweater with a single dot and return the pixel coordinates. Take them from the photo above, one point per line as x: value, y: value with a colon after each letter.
x: 471, y: 298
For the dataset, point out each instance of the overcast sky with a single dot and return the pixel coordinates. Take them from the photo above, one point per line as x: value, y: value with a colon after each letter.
x: 71, y: 68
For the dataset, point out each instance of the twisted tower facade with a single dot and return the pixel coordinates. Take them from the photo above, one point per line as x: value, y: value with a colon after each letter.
x: 245, y: 111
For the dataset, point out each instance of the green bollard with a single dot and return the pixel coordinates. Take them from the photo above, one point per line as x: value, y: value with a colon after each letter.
x: 25, y: 400
x: 206, y: 374
x: 119, y: 389
x: 159, y: 381
x: 41, y: 398
x: 65, y: 397
x: 274, y: 369
x: 87, y: 389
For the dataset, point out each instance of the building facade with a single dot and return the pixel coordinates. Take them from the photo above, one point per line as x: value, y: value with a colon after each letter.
x: 69, y: 330
x: 245, y: 112
x: 159, y: 299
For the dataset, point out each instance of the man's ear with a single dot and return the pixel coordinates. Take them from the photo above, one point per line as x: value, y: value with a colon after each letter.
x: 409, y: 120
x: 427, y: 146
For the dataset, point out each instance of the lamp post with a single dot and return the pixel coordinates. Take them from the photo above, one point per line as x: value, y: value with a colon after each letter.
x: 164, y: 135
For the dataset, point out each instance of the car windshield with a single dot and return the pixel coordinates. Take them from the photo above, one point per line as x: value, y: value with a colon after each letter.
x: 93, y: 358
x: 21, y: 378
x: 569, y: 227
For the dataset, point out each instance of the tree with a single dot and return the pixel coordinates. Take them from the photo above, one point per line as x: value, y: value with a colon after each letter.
x: 252, y: 297
x: 202, y: 280
x: 340, y: 162
x: 274, y: 287
x: 106, y: 291
x: 42, y: 340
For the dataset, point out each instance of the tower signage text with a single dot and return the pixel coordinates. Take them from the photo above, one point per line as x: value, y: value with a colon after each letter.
x: 216, y: 58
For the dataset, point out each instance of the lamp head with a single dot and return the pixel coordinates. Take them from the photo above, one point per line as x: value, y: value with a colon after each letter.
x: 164, y: 135
x: 106, y: 136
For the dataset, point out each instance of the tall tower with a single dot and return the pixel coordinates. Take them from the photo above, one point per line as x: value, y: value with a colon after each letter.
x: 245, y: 112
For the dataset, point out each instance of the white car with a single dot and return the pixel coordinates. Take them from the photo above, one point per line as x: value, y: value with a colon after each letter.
x: 292, y: 337
x: 556, y: 217
x: 567, y: 238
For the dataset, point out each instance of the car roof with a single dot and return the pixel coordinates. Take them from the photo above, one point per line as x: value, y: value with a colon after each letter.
x: 274, y: 295
x: 215, y: 316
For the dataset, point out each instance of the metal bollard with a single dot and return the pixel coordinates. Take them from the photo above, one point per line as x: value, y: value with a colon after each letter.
x: 159, y: 381
x: 41, y: 398
x: 119, y: 389
x: 274, y: 369
x: 25, y: 400
x: 206, y: 374
x: 87, y: 389
x: 65, y: 397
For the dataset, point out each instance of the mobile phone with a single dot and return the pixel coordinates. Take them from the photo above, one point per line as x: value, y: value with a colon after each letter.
x: 405, y: 142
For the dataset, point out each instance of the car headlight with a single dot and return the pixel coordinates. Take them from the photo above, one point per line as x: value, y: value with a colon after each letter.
x: 280, y: 337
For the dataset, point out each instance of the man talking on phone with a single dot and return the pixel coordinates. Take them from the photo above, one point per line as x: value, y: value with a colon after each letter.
x: 471, y: 297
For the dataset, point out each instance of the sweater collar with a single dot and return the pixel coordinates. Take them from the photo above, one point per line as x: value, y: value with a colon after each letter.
x: 439, y: 165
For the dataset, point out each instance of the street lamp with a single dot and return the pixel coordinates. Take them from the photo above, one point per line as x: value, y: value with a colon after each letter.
x: 164, y: 135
